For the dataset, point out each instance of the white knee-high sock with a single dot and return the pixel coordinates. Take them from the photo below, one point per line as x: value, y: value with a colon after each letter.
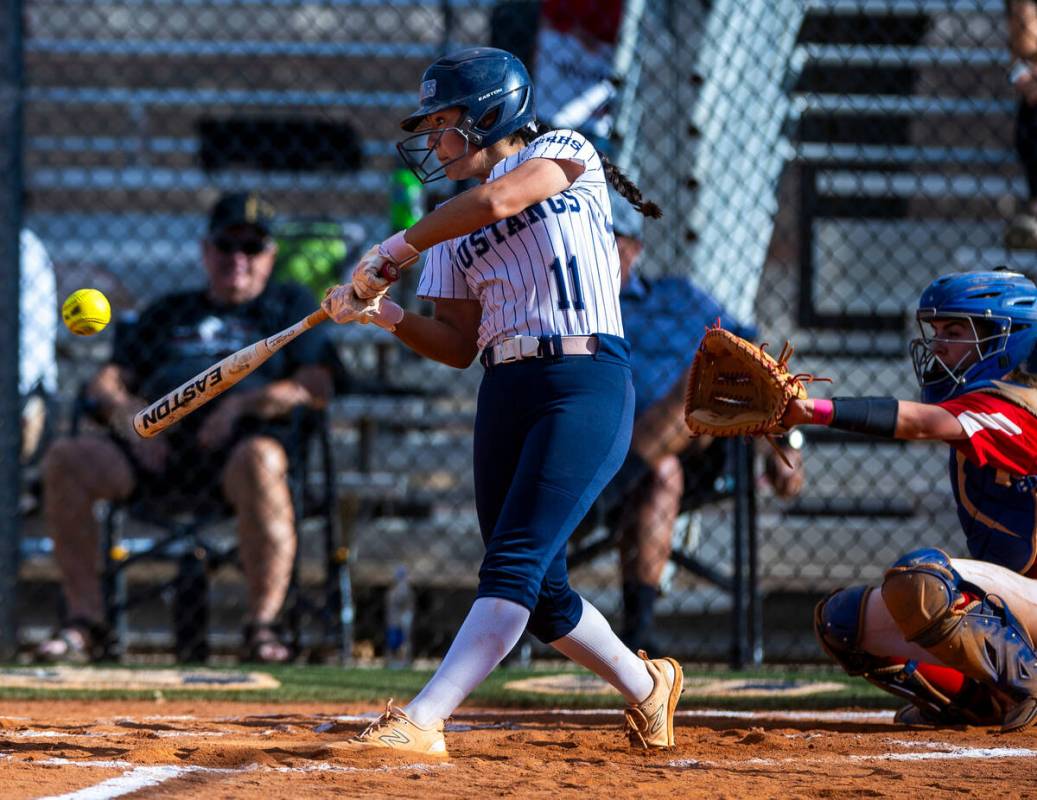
x: 592, y: 644
x: 490, y: 630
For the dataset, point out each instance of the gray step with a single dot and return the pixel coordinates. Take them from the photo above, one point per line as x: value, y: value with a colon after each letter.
x: 227, y: 48
x: 882, y: 266
x: 821, y: 152
x: 405, y: 411
x: 158, y: 145
x: 436, y: 552
x: 821, y: 554
x: 92, y: 179
x: 873, y: 55
x: 254, y: 6
x: 913, y: 106
x: 217, y: 98
x: 859, y: 183
x: 905, y: 7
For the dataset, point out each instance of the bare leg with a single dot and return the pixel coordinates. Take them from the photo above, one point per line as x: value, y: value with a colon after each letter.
x: 882, y: 637
x: 255, y: 482
x: 648, y: 535
x: 76, y: 473
x: 1018, y: 592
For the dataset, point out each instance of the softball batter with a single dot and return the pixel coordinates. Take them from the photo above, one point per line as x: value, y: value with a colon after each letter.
x: 524, y: 272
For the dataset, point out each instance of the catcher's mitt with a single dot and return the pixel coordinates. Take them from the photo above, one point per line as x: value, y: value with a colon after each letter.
x: 737, y: 389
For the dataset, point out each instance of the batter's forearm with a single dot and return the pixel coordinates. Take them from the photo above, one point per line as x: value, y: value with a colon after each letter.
x: 435, y: 339
x: 465, y: 213
x: 531, y: 182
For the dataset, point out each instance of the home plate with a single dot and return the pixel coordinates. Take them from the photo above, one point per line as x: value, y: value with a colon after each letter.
x: 63, y: 677
x: 578, y: 683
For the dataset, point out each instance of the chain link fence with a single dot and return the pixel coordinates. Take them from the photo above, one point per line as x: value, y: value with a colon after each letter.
x: 818, y: 163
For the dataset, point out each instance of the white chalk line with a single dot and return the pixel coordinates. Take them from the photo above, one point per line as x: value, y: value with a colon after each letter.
x: 942, y: 751
x: 31, y: 734
x: 139, y: 778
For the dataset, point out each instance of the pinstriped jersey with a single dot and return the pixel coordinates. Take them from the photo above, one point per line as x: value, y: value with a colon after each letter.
x: 551, y: 269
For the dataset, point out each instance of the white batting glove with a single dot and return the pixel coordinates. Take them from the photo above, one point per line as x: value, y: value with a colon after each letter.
x: 369, y: 278
x: 343, y: 305
x: 368, y: 281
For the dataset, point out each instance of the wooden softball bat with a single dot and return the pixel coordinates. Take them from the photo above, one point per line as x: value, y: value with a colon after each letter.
x: 218, y: 378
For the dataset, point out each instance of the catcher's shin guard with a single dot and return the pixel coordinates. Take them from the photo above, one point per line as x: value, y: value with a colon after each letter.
x: 838, y: 623
x: 966, y: 628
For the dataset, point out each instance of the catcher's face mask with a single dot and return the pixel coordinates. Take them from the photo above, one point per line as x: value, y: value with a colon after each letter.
x: 951, y: 347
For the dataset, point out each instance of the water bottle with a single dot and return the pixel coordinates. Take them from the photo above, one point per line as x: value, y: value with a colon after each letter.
x: 399, y: 617
x: 405, y: 201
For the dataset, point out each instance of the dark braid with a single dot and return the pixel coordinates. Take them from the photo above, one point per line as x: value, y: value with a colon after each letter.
x: 613, y: 174
x: 629, y: 190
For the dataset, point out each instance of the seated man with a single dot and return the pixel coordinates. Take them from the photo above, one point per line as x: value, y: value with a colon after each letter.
x: 663, y: 320
x: 232, y: 449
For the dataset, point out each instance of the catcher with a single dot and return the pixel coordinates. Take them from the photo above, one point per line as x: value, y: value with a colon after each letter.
x: 952, y: 636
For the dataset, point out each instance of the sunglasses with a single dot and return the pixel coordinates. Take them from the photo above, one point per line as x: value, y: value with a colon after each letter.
x: 228, y: 245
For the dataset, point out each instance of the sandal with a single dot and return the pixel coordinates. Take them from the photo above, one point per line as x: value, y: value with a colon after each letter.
x: 77, y: 641
x: 263, y: 644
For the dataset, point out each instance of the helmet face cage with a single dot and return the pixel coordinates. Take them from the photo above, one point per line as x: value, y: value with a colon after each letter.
x: 418, y: 153
x: 940, y: 380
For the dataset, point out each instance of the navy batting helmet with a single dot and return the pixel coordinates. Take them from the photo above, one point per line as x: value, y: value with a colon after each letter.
x: 1000, y: 306
x: 490, y: 86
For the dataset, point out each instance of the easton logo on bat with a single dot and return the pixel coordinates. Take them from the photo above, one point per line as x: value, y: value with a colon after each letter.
x: 182, y: 398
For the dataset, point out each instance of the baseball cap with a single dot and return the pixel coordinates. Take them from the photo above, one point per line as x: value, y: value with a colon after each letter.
x: 241, y: 208
x: 626, y: 220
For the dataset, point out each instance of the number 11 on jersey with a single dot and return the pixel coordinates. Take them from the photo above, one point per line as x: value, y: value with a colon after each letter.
x: 563, y: 291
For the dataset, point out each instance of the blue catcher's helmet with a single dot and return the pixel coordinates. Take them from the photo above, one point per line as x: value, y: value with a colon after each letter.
x: 493, y: 89
x: 1001, y: 309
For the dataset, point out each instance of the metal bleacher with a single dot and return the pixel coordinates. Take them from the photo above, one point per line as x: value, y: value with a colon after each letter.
x: 902, y: 128
x: 115, y: 91
x: 117, y: 190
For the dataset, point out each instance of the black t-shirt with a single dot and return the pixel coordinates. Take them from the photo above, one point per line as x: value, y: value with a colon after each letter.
x: 181, y: 334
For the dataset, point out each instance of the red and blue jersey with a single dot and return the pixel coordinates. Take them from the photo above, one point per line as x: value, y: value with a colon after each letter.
x: 994, y: 474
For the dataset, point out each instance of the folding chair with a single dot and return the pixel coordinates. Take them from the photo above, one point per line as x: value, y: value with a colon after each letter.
x: 185, y: 525
x: 708, y: 478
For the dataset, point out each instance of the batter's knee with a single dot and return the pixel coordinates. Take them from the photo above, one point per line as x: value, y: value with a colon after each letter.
x: 839, y: 625
x: 919, y: 590
x: 555, y: 617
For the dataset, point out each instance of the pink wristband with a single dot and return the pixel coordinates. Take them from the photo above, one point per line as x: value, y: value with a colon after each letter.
x: 389, y: 315
x: 822, y: 413
x: 398, y: 250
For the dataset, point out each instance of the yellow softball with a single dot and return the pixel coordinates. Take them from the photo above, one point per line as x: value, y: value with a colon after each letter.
x: 86, y: 312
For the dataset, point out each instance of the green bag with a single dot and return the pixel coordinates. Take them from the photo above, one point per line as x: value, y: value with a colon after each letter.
x: 311, y: 252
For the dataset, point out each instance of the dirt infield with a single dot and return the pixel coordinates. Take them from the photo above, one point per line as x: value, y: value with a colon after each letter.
x: 107, y: 749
